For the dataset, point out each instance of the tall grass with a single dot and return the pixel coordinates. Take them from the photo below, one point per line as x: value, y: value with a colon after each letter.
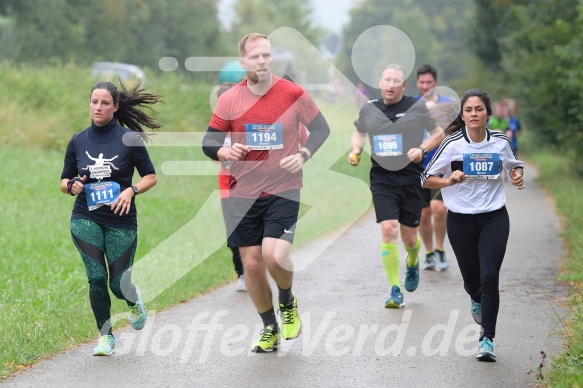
x: 556, y: 174
x: 44, y: 306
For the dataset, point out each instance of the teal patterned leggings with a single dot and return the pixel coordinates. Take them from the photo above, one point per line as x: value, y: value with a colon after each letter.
x: 96, y: 243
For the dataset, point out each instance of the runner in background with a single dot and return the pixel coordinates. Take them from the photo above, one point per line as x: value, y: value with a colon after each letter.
x: 224, y: 183
x: 434, y: 213
x: 514, y: 127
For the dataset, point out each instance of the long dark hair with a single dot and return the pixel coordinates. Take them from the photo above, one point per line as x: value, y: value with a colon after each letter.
x: 126, y: 114
x: 458, y: 123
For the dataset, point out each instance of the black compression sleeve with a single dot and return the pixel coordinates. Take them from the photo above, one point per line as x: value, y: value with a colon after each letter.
x: 212, y: 142
x: 319, y: 131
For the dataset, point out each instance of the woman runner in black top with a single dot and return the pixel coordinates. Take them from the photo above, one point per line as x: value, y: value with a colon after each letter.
x: 98, y: 169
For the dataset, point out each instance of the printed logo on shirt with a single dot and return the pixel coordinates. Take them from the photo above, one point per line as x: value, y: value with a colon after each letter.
x: 102, y: 167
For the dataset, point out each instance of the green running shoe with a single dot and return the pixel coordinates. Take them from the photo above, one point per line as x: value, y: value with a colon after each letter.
x: 291, y: 326
x: 105, y: 346
x: 268, y: 342
x: 138, y: 313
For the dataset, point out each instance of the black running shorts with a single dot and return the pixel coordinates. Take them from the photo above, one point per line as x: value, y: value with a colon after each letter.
x: 402, y: 203
x: 270, y: 216
x: 429, y: 195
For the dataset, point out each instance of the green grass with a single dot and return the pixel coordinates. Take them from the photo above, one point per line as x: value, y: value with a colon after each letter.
x: 43, y: 303
x: 557, y: 176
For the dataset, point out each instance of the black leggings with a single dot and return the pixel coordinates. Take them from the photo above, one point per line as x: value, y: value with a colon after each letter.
x: 479, y: 243
x: 96, y: 242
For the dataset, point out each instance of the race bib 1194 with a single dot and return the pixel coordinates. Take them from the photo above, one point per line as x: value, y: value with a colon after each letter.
x: 264, y: 136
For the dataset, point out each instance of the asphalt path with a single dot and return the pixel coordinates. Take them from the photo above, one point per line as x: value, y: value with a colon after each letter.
x: 349, y: 339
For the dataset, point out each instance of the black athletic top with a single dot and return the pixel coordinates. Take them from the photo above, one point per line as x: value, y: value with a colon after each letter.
x: 105, y: 154
x: 404, y: 123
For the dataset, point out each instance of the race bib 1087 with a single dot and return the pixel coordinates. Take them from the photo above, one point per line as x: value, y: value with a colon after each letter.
x: 482, y: 166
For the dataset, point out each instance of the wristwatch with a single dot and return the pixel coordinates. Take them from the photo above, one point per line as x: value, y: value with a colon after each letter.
x: 135, y: 189
x: 304, y: 155
x: 423, y: 151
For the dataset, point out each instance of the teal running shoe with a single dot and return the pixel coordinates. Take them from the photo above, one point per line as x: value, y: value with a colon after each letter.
x: 105, y: 346
x: 291, y: 326
x: 396, y: 299
x: 268, y: 342
x: 412, y: 277
x: 486, y: 350
x: 138, y: 313
x: 477, y: 312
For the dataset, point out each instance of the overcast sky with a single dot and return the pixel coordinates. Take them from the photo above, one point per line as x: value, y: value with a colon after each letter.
x: 330, y: 14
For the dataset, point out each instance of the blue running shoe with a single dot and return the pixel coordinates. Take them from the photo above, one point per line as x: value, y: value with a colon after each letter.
x: 138, y: 313
x: 486, y: 350
x: 412, y: 277
x: 396, y: 299
x: 477, y: 312
x: 105, y: 346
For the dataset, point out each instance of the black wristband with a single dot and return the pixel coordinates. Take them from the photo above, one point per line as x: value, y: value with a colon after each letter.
x: 304, y: 155
x: 70, y: 185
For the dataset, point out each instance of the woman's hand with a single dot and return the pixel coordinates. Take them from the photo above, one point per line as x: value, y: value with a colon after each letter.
x: 516, y: 177
x: 123, y: 203
x: 456, y: 177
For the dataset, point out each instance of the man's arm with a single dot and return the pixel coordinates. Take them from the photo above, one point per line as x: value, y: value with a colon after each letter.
x: 319, y: 132
x: 434, y: 139
x: 357, y: 144
x: 212, y: 144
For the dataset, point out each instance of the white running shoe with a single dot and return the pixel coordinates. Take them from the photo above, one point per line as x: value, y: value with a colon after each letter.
x: 241, y: 286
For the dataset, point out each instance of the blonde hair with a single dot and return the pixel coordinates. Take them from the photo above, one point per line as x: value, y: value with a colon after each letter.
x: 394, y: 66
x: 250, y: 36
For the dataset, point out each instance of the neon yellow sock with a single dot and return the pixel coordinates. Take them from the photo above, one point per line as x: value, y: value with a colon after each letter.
x: 413, y: 253
x: 390, y: 256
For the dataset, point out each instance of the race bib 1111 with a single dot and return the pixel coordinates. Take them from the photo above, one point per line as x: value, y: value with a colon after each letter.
x: 101, y: 193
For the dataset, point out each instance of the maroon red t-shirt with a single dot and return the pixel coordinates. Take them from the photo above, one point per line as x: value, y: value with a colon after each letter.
x: 270, y: 124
